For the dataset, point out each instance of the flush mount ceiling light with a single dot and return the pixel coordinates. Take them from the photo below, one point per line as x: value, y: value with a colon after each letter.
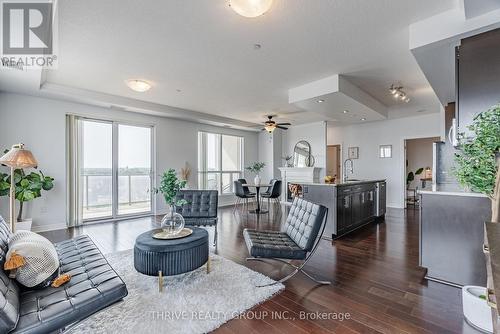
x: 363, y: 119
x: 140, y: 86
x: 321, y: 101
x: 346, y: 111
x: 251, y: 8
x: 399, y: 93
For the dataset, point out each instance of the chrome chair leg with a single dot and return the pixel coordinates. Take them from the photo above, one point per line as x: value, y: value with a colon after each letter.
x: 286, y: 278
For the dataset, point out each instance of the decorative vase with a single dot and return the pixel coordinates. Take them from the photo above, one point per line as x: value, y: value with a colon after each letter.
x: 476, y: 309
x: 173, y: 222
x: 257, y: 180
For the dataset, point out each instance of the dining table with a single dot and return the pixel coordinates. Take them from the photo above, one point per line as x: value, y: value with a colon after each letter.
x: 257, y: 187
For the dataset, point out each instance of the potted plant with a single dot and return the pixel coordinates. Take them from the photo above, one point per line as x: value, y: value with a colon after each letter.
x: 411, y: 176
x: 256, y: 168
x: 478, y: 158
x: 477, y: 162
x: 28, y: 187
x: 172, y: 223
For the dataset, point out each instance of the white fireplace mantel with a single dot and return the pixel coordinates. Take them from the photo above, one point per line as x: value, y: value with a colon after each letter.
x: 297, y: 175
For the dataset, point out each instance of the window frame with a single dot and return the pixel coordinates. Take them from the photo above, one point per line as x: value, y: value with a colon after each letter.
x: 203, y: 171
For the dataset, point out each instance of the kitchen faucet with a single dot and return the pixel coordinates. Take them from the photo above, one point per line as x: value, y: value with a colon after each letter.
x: 351, y: 169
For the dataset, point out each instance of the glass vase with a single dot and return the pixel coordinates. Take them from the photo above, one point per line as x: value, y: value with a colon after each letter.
x: 173, y: 222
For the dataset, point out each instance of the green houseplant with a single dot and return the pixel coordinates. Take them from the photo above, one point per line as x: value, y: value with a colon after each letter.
x: 29, y: 186
x: 479, y: 156
x: 256, y: 168
x: 170, y: 184
x: 411, y: 176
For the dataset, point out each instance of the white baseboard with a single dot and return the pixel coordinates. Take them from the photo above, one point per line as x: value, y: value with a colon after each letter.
x: 49, y: 227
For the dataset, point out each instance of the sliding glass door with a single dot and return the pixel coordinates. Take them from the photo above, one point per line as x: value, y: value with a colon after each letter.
x: 116, y: 170
x: 134, y: 169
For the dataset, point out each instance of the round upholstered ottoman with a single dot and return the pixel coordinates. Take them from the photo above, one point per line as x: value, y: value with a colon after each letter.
x: 155, y: 257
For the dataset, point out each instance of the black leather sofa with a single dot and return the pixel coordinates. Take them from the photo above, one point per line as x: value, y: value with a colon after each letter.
x: 94, y: 285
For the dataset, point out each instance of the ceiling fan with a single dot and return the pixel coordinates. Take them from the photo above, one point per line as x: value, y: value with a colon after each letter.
x: 271, y: 125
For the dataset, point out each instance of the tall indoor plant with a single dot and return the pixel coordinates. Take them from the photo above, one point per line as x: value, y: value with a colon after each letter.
x: 28, y: 186
x: 170, y: 185
x: 256, y: 168
x: 478, y: 158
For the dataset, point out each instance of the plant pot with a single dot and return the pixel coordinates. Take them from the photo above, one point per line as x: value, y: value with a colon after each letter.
x: 257, y: 180
x: 24, y: 225
x: 476, y: 309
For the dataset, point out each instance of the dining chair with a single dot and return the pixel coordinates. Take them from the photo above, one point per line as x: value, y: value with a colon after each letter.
x: 241, y: 196
x: 274, y: 193
x: 246, y: 189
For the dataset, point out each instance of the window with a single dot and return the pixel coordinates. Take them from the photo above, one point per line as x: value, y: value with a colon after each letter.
x: 115, y: 169
x: 220, y: 161
x: 386, y: 151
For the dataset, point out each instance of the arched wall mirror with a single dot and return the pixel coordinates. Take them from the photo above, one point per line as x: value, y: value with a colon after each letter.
x: 302, y: 155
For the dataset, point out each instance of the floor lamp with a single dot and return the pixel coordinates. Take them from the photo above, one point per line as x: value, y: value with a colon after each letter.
x: 16, y: 158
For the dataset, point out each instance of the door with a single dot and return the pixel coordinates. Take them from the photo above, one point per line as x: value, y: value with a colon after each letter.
x: 116, y: 170
x: 333, y: 160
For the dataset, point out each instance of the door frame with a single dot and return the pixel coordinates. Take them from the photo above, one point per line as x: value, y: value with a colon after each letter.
x: 339, y: 159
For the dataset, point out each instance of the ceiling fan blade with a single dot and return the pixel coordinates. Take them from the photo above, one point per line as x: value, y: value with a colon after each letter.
x: 281, y: 127
x: 284, y: 124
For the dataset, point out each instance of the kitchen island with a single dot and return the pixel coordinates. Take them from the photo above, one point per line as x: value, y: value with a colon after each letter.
x: 351, y: 205
x: 452, y: 235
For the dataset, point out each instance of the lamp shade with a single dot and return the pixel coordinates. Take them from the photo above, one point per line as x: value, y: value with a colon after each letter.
x: 18, y: 157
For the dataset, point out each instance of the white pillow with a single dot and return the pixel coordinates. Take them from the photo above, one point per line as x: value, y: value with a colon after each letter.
x: 42, y: 262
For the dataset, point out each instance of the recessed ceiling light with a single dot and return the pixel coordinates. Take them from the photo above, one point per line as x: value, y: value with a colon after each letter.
x: 346, y: 111
x: 252, y: 8
x: 140, y: 86
x: 257, y: 46
x: 321, y: 101
x: 363, y: 119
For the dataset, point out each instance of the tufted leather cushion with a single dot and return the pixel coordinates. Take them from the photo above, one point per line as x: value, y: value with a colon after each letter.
x: 304, y: 222
x: 269, y: 244
x: 94, y: 285
x: 9, y: 291
x: 201, y: 207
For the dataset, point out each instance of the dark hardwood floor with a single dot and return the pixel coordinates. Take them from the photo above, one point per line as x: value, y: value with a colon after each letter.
x: 375, y: 274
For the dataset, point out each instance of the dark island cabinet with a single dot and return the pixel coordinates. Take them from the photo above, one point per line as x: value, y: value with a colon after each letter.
x: 355, y: 207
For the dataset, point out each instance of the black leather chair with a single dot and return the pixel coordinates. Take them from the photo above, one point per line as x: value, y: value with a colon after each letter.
x: 242, y: 197
x: 298, y: 239
x: 94, y: 285
x: 245, y: 189
x: 274, y: 193
x: 201, y: 208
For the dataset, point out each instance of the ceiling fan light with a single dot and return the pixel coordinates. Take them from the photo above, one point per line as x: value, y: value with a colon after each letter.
x: 270, y: 127
x: 251, y: 8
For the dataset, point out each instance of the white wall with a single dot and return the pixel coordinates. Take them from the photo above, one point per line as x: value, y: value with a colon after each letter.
x: 270, y: 149
x: 369, y: 136
x: 419, y: 155
x: 40, y: 124
x: 315, y: 134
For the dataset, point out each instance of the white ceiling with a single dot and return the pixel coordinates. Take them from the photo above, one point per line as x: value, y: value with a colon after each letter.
x: 205, y: 50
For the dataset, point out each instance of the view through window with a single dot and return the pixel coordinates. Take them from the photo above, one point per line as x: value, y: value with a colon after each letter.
x: 220, y: 161
x: 116, y: 170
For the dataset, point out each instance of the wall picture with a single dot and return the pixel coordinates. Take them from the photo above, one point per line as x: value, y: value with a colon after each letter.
x: 353, y: 153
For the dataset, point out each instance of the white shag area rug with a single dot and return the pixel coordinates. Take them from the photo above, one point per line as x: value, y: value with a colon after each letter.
x: 194, y: 302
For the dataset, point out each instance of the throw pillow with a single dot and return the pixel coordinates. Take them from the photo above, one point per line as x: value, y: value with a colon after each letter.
x: 34, y: 259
